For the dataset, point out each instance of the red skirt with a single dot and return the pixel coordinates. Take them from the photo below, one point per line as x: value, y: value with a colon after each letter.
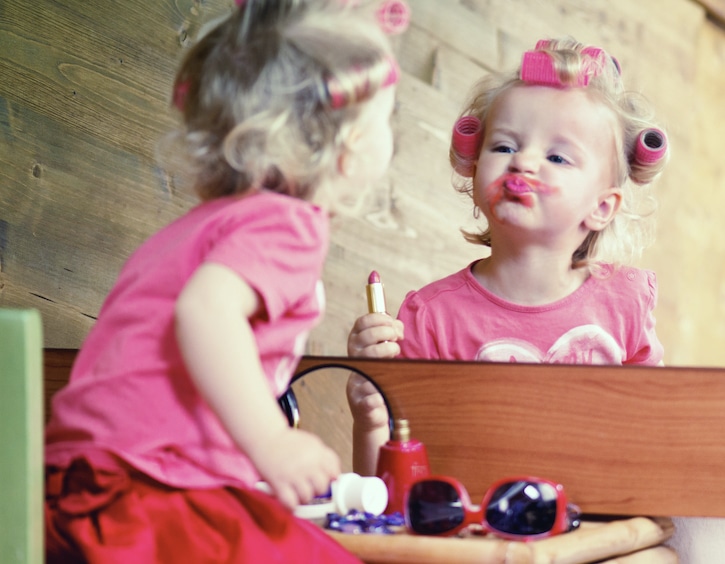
x: 117, y: 515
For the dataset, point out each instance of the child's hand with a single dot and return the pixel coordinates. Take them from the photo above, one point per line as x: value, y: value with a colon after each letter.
x: 297, y: 465
x: 375, y: 335
x: 366, y: 404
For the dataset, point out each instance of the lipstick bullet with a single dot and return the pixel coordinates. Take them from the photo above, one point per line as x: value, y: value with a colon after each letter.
x: 375, y: 293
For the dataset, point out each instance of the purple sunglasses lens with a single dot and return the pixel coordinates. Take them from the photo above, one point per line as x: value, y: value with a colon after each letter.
x: 522, y: 508
x: 434, y: 507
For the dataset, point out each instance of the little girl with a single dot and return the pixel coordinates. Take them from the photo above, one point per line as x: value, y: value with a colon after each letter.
x: 558, y: 158
x: 170, y: 416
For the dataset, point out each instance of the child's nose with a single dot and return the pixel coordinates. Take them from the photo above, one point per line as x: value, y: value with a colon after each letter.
x: 523, y: 161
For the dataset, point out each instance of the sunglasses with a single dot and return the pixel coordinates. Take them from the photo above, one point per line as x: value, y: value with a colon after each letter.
x: 521, y: 508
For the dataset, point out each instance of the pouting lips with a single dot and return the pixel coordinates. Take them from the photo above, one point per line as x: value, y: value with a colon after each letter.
x: 517, y: 184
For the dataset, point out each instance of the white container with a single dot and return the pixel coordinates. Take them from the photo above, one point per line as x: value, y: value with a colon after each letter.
x: 350, y: 491
x: 364, y: 493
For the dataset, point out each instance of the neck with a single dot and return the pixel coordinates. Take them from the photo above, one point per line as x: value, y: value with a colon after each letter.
x: 536, y: 277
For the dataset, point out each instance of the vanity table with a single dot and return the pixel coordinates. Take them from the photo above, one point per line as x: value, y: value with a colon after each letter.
x: 633, y: 444
x: 625, y: 442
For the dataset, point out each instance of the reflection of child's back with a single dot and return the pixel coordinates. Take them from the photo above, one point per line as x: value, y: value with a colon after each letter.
x: 559, y: 159
x: 170, y: 415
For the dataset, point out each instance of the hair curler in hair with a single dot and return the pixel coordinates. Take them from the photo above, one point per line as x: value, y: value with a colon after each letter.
x: 393, y: 16
x: 465, y: 144
x: 180, y: 93
x: 466, y: 136
x: 651, y: 146
x: 538, y: 68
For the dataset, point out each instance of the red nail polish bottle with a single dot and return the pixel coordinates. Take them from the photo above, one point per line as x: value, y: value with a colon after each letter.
x: 401, y: 461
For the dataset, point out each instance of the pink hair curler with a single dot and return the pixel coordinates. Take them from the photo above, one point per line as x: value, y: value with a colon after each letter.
x: 180, y: 93
x: 651, y: 146
x: 466, y: 136
x: 537, y: 67
x: 393, y: 16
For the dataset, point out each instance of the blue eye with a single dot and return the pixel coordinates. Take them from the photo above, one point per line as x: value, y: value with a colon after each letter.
x: 557, y: 159
x: 501, y: 149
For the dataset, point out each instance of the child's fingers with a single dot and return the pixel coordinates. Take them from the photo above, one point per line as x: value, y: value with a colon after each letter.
x: 288, y: 495
x: 365, y: 343
x: 371, y: 320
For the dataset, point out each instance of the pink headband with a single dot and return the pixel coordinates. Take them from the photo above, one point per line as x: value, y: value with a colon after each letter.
x: 336, y: 94
x: 537, y: 67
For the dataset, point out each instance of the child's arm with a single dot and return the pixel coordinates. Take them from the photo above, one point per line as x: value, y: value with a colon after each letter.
x: 219, y: 348
x: 370, y: 427
x: 372, y: 335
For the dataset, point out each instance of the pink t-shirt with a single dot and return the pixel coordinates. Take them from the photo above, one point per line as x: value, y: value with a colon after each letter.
x: 129, y: 391
x: 605, y: 321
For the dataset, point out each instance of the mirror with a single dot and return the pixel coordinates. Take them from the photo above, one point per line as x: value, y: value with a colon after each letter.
x: 409, y: 231
x: 64, y: 169
x: 318, y: 396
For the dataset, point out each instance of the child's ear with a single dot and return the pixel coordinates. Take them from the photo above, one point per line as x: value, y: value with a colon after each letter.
x: 347, y: 162
x: 608, y: 206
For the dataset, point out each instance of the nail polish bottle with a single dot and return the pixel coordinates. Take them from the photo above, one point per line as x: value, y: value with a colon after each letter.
x: 401, y: 461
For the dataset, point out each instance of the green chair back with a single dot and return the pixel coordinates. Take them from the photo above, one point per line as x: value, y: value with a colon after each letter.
x: 21, y: 437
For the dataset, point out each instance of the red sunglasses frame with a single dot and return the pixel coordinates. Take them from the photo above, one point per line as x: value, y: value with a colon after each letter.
x: 476, y: 515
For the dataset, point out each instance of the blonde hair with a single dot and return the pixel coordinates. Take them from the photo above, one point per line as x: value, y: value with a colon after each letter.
x: 256, y: 95
x: 632, y: 229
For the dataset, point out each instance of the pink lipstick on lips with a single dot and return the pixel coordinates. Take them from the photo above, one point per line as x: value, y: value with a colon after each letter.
x: 375, y: 293
x: 516, y: 187
x: 517, y: 184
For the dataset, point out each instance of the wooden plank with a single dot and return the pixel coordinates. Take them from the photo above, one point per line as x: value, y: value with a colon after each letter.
x: 455, y: 74
x: 622, y: 440
x: 107, y: 76
x: 71, y: 215
x: 57, y: 364
x: 459, y: 27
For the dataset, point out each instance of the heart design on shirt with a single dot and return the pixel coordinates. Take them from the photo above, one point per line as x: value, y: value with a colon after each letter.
x: 586, y: 344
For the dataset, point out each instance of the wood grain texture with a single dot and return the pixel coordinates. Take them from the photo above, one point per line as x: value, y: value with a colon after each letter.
x: 623, y: 440
x: 84, y: 97
x: 83, y: 101
x: 593, y: 542
x: 57, y: 365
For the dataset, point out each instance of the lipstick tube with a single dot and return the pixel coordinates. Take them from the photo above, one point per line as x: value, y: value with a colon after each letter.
x: 375, y: 293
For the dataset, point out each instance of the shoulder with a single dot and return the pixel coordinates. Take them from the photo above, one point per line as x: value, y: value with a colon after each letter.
x: 271, y: 215
x: 440, y: 294
x: 443, y: 288
x: 628, y: 283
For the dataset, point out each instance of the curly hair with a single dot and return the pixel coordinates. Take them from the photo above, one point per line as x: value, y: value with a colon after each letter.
x: 268, y: 95
x: 632, y: 229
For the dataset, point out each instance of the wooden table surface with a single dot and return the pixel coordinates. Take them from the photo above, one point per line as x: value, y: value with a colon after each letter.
x: 636, y: 540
